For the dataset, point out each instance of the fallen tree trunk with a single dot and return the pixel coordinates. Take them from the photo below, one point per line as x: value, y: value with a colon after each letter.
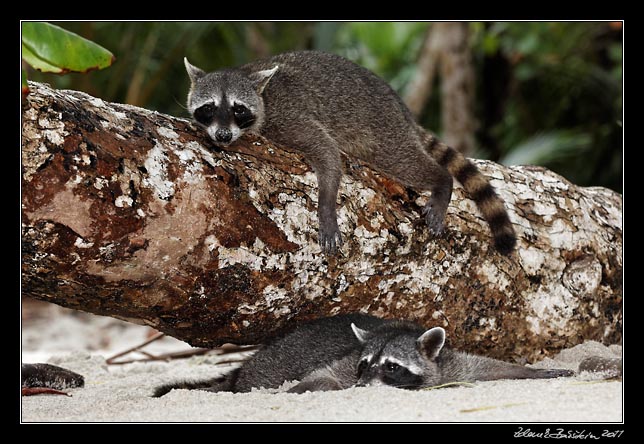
x: 134, y: 214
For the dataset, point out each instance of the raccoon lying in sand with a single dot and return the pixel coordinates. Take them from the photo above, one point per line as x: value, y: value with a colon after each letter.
x: 343, y: 351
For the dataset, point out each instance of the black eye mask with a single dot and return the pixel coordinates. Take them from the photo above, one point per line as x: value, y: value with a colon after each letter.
x: 205, y: 114
x: 243, y: 116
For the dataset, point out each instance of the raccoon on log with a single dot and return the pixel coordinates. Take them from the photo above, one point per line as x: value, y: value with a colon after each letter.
x: 323, y: 105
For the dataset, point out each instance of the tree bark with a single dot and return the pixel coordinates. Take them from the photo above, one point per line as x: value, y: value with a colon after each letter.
x: 457, y: 87
x: 447, y: 50
x: 134, y: 214
x: 419, y: 89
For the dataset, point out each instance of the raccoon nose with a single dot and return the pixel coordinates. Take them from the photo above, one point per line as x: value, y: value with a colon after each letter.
x: 223, y: 135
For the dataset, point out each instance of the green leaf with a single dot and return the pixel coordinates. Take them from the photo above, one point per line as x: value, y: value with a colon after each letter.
x: 547, y: 147
x: 37, y: 62
x: 49, y: 48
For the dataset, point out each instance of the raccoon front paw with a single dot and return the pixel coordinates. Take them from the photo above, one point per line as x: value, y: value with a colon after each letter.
x: 330, y: 239
x: 435, y: 218
x: 316, y: 385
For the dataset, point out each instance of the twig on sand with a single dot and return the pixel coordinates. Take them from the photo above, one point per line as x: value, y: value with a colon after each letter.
x: 30, y: 391
x: 223, y: 350
x: 156, y: 337
x: 451, y: 384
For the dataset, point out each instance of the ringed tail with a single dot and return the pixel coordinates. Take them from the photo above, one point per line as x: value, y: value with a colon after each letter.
x: 219, y: 384
x: 480, y: 191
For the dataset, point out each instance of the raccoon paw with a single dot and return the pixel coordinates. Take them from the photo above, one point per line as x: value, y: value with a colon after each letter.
x: 556, y: 373
x: 316, y: 385
x: 330, y: 239
x: 435, y: 218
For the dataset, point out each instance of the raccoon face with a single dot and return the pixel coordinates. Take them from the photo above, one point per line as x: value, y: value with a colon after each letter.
x: 227, y: 103
x: 403, y: 360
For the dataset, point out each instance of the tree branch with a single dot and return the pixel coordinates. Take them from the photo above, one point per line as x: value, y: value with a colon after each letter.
x: 134, y: 214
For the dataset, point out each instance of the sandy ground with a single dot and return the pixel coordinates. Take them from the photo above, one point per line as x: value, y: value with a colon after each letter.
x: 121, y: 393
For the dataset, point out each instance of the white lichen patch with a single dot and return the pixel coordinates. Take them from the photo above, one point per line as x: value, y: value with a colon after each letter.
x: 490, y: 323
x: 123, y: 201
x: 272, y: 293
x: 604, y: 205
x: 414, y: 278
x: 212, y: 242
x: 532, y: 259
x: 30, y: 114
x: 248, y: 309
x: 75, y: 180
x: 422, y: 199
x: 370, y: 243
x: 57, y: 137
x: 561, y: 234
x: 342, y: 284
x: 80, y: 243
x: 46, y: 122
x: 119, y: 115
x: 294, y: 219
x: 523, y: 191
x: 95, y: 101
x: 85, y: 159
x: 100, y: 183
x: 167, y: 133
x: 365, y: 195
x: 48, y: 128
x: 192, y: 166
x: 309, y: 179
x: 489, y: 169
x: 272, y: 302
x: 550, y: 308
x: 204, y: 153
x: 545, y: 209
x: 239, y: 255
x: 156, y: 164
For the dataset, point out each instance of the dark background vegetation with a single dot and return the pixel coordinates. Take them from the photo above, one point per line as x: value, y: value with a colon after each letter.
x: 546, y: 93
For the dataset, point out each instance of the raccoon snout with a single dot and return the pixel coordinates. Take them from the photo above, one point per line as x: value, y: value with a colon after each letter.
x: 223, y: 135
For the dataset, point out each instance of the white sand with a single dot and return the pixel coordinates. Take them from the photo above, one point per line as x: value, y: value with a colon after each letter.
x: 122, y: 393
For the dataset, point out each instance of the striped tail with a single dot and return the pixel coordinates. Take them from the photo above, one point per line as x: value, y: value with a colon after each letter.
x: 223, y: 383
x: 479, y: 189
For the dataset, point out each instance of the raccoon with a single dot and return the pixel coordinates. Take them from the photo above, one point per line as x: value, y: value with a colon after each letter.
x: 50, y: 376
x: 323, y: 105
x: 339, y: 352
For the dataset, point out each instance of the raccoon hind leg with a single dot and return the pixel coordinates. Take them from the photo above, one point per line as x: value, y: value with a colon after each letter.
x: 414, y: 167
x: 339, y: 375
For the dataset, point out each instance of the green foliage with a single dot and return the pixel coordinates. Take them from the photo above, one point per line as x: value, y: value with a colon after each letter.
x: 389, y: 49
x: 560, y: 101
x: 547, y: 93
x: 49, y: 48
x: 549, y: 147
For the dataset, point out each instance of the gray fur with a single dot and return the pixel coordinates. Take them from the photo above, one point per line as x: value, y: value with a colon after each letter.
x: 324, y: 105
x: 326, y: 354
x: 50, y: 376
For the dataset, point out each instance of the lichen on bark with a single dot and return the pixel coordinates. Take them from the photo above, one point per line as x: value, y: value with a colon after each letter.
x: 134, y: 214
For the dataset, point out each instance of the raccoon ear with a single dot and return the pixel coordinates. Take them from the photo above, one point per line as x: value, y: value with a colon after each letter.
x: 431, y: 343
x: 360, y: 333
x: 260, y: 78
x: 193, y: 72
